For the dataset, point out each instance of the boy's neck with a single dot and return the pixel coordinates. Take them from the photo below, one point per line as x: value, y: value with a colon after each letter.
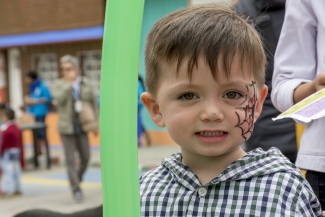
x: 208, y: 168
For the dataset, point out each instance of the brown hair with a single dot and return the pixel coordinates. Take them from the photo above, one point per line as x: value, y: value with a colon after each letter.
x: 215, y: 31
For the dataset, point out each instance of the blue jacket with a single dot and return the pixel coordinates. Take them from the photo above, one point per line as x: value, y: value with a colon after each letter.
x: 38, y: 90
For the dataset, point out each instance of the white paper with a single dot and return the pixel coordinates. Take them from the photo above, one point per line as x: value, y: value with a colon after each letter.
x: 77, y: 106
x: 309, y: 109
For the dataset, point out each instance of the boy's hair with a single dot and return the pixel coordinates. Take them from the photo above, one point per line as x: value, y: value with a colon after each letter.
x: 9, y: 113
x: 215, y: 31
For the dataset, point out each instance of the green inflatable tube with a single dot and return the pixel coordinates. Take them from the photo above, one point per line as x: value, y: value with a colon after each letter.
x: 118, y: 108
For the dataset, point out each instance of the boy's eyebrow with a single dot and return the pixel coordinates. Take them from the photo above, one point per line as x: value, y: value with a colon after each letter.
x: 234, y: 83
x: 222, y: 83
x: 183, y: 85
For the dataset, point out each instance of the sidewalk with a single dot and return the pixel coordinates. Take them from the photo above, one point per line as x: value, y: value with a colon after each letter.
x: 49, y: 189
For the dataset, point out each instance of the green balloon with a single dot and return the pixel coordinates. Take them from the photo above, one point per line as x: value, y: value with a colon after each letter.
x: 118, y: 108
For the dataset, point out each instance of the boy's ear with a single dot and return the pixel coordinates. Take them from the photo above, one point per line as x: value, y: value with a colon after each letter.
x: 259, y: 104
x: 153, y: 108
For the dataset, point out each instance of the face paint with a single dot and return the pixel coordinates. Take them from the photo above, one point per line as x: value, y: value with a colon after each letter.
x: 246, y: 124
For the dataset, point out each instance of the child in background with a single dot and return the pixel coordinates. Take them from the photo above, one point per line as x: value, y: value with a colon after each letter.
x: 205, y: 75
x: 2, y: 106
x: 140, y: 105
x: 10, y: 154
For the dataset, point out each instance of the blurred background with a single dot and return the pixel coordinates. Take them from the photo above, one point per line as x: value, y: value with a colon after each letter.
x: 34, y: 34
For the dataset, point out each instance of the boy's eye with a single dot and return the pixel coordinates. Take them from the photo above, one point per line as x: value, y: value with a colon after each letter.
x: 188, y: 96
x: 232, y: 95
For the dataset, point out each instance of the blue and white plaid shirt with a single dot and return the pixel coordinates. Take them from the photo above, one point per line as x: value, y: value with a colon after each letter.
x: 259, y: 184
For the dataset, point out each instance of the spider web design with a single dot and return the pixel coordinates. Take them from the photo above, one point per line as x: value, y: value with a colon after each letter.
x: 246, y: 125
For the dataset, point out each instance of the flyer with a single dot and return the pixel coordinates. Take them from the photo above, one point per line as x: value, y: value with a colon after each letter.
x: 307, y: 110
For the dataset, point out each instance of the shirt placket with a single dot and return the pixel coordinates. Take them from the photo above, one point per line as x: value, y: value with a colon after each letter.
x: 198, y: 201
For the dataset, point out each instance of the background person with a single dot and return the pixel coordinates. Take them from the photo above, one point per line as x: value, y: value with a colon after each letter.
x: 37, y: 104
x: 299, y: 71
x: 10, y: 148
x: 69, y: 91
x: 140, y: 129
x: 268, y: 133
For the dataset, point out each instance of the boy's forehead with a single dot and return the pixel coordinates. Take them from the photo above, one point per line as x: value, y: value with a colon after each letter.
x: 201, y: 68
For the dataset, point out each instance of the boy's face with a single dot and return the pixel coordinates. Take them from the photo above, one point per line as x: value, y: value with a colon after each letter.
x: 203, y: 116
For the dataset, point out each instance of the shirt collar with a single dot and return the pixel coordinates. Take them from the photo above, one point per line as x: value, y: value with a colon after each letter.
x: 4, y: 126
x: 255, y: 163
x: 76, y: 82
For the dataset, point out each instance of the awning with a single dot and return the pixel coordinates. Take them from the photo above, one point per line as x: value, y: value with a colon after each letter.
x: 50, y: 37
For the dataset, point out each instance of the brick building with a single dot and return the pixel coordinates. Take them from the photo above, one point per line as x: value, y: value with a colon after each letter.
x: 34, y: 34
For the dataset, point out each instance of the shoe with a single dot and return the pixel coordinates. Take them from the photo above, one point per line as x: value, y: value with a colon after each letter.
x: 17, y: 193
x: 77, y: 196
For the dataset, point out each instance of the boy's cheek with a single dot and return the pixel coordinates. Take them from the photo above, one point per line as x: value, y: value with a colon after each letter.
x: 245, y: 122
x: 249, y: 108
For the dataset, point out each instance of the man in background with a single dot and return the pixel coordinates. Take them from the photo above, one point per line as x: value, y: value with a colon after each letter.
x: 70, y: 92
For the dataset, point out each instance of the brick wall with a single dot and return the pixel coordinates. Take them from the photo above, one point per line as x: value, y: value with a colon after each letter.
x: 22, y: 16
x: 59, y: 49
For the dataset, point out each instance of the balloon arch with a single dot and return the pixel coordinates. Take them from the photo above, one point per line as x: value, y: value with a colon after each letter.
x: 118, y: 119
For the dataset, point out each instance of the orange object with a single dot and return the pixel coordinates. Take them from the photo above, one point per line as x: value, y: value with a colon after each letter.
x: 299, y: 130
x: 2, y: 95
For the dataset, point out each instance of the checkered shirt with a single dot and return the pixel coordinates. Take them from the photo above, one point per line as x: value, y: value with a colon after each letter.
x: 259, y: 184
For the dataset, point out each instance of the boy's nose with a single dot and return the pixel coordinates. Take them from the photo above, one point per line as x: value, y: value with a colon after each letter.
x: 212, y: 113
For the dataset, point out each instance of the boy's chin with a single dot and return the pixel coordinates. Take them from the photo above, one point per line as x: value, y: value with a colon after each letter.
x: 215, y: 153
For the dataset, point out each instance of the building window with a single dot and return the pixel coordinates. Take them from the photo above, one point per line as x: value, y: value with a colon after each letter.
x: 46, y: 65
x: 90, y: 62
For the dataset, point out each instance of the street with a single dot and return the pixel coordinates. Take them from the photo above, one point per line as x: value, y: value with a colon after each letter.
x: 49, y: 189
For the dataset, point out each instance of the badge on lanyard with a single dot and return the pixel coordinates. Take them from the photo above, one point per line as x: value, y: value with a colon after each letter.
x: 78, y: 106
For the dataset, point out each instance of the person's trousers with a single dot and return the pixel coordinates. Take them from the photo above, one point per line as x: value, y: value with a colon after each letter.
x: 11, y: 171
x: 76, y: 143
x: 317, y: 182
x: 41, y: 133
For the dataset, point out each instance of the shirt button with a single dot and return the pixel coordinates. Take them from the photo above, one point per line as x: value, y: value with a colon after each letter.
x: 202, y: 191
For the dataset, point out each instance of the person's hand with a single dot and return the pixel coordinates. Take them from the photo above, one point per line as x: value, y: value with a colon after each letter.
x: 306, y: 89
x: 23, y: 108
x: 96, y: 132
x: 29, y: 101
x: 319, y: 81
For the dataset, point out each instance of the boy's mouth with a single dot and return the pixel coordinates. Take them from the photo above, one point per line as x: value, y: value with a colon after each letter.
x: 211, y: 133
x: 212, y: 136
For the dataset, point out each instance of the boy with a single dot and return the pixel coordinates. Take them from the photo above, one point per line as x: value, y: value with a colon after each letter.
x: 205, y: 79
x: 10, y: 154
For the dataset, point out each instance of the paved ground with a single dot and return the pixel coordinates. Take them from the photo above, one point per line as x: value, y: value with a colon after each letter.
x: 49, y: 189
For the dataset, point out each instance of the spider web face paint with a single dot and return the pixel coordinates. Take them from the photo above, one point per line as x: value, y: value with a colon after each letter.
x: 246, y: 124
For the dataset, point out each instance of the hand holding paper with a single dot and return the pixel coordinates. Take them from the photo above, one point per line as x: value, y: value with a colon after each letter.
x: 309, y: 109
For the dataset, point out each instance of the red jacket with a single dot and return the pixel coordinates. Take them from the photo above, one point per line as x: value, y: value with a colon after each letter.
x: 11, y: 137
